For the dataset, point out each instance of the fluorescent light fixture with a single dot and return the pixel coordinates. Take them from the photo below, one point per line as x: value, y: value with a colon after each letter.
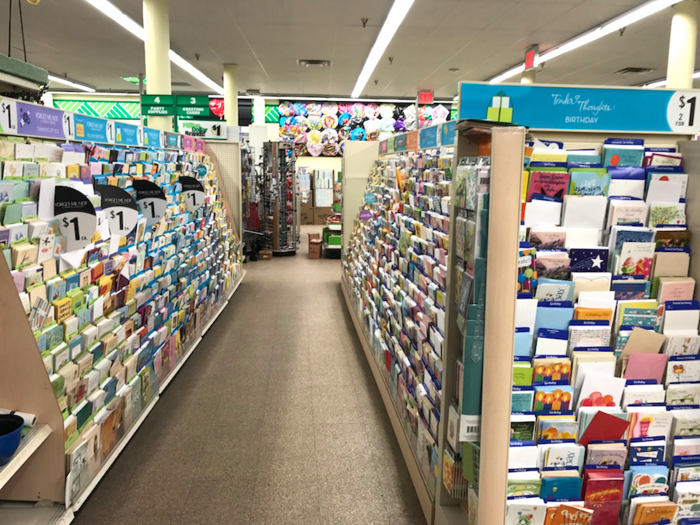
x: 70, y: 83
x: 128, y: 23
x: 196, y: 73
x: 398, y: 12
x: 662, y: 82
x: 615, y: 24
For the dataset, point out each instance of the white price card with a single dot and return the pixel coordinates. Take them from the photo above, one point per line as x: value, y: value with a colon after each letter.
x: 77, y: 220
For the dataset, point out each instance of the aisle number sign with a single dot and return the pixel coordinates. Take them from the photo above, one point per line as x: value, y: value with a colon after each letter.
x: 158, y: 105
x: 192, y: 106
x: 563, y: 108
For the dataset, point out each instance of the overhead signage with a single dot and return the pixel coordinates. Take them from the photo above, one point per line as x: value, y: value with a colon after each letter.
x: 531, y: 56
x: 39, y: 121
x: 206, y: 129
x: 77, y: 220
x: 8, y: 116
x: 412, y: 141
x: 92, y: 129
x: 448, y: 132
x: 425, y: 97
x: 192, y: 105
x: 400, y: 143
x: 429, y: 137
x: 562, y: 108
x: 158, y: 105
x: 121, y: 210
x: 152, y: 138
x: 172, y: 140
x: 128, y: 134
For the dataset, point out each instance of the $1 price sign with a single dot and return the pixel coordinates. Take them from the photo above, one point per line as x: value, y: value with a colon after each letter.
x: 77, y: 220
x: 151, y: 201
x: 193, y: 192
x: 681, y: 112
x: 121, y: 210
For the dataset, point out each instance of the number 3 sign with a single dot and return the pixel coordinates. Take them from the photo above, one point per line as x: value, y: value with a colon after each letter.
x: 151, y: 201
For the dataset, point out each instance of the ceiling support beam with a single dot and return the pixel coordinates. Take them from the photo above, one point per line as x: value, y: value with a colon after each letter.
x: 231, y: 94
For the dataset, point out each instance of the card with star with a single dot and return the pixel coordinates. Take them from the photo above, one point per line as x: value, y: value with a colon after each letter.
x: 588, y: 259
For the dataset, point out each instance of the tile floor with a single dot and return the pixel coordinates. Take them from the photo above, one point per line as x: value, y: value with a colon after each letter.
x: 274, y: 419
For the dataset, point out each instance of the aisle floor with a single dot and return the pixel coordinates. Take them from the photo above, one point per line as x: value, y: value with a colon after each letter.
x: 275, y: 418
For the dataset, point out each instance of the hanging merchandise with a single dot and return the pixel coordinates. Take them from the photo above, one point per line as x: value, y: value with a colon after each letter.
x: 280, y: 197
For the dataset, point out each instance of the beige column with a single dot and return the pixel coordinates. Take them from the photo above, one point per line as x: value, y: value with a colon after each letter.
x: 681, y: 49
x: 528, y: 77
x: 231, y: 94
x: 156, y: 23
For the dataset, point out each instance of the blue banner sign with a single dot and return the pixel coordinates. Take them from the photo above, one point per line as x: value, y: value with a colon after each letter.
x: 173, y: 140
x: 582, y: 109
x: 400, y: 143
x: 429, y: 137
x: 448, y: 133
x: 126, y: 134
x: 91, y: 129
x: 152, y: 138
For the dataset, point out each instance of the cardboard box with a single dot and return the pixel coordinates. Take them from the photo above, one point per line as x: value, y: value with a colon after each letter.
x: 321, y: 214
x: 265, y: 255
x: 306, y: 213
x: 315, y: 248
x: 313, y: 236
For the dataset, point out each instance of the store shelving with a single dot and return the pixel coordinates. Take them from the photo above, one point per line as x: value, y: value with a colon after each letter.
x: 280, y: 194
x: 31, y: 441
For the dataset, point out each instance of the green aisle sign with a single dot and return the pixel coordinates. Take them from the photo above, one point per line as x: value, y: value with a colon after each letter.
x: 192, y: 111
x: 158, y: 105
x: 193, y: 100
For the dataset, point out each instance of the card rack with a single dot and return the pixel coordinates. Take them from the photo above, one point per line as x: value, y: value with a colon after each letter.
x: 281, y: 197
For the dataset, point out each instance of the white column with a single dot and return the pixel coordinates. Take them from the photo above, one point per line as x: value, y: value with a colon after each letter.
x: 681, y: 49
x: 156, y: 22
x: 528, y: 77
x: 259, y: 111
x: 231, y: 94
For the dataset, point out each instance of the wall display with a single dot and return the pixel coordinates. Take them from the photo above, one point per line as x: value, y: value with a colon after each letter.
x: 116, y: 295
x: 319, y: 128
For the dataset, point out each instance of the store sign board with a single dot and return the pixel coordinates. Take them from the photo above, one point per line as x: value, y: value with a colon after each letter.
x: 152, y: 138
x: 206, y: 129
x: 192, y: 111
x: 412, y: 141
x: 429, y: 137
x: 126, y: 134
x: 92, y: 129
x: 158, y: 111
x: 173, y: 140
x: 563, y: 108
x: 400, y: 143
x: 382, y: 147
x: 390, y: 145
x: 8, y: 116
x: 39, y: 121
x: 157, y: 100
x: 193, y: 100
x: 200, y: 145
x: 188, y: 143
x: 447, y: 137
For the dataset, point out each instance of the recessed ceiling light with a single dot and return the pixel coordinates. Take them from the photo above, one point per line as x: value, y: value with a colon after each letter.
x: 314, y: 63
x: 71, y: 83
x: 453, y: 69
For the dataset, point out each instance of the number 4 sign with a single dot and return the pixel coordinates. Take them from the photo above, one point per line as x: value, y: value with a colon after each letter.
x: 150, y: 200
x: 77, y: 220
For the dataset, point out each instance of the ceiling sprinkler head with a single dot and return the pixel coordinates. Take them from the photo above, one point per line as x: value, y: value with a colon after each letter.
x: 364, y: 21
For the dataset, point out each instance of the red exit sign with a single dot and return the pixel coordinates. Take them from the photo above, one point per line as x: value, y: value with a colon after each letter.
x: 531, y: 56
x: 425, y: 97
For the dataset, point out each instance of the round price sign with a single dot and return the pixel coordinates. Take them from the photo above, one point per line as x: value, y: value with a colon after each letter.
x: 121, y: 210
x: 77, y: 220
x: 150, y: 200
x: 681, y: 112
x: 193, y: 191
x: 202, y: 170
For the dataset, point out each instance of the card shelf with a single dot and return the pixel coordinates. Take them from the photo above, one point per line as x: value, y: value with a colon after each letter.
x: 27, y: 447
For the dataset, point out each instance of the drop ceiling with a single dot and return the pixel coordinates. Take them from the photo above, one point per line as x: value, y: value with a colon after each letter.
x: 266, y: 38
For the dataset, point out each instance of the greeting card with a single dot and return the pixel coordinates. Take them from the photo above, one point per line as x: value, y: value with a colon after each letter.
x: 636, y: 258
x: 551, y: 184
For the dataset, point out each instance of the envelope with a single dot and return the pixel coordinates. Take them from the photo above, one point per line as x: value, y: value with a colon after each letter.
x: 542, y: 213
x: 646, y: 366
x: 584, y: 211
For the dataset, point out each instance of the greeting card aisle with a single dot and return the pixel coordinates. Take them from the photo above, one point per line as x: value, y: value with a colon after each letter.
x: 117, y: 260
x: 588, y: 328
x: 395, y: 283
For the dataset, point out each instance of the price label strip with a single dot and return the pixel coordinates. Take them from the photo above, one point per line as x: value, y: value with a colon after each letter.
x: 150, y: 200
x: 193, y: 192
x: 120, y: 208
x: 77, y: 220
